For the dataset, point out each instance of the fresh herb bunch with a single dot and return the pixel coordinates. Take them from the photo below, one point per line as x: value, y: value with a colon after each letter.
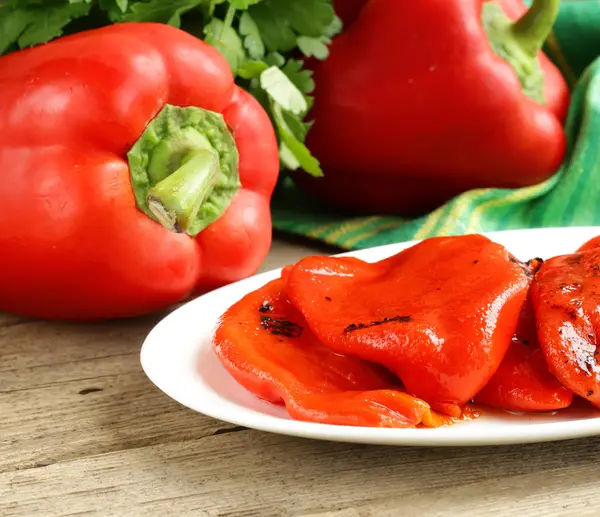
x: 263, y: 41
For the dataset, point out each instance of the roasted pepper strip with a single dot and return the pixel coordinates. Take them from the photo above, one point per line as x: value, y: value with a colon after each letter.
x: 590, y: 245
x: 523, y: 381
x: 566, y: 299
x: 265, y: 344
x: 440, y: 315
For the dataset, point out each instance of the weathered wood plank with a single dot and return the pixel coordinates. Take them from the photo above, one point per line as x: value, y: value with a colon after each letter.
x: 41, y: 426
x: 258, y: 474
x: 41, y: 353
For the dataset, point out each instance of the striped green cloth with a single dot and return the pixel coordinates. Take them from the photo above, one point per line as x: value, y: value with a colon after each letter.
x: 570, y: 198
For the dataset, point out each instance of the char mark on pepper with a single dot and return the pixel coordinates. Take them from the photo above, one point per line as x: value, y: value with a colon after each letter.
x: 358, y: 326
x: 574, y: 260
x: 265, y: 307
x: 281, y: 327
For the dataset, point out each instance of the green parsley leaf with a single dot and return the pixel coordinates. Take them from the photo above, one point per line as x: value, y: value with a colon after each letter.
x: 302, y: 79
x: 38, y: 24
x: 243, y: 4
x: 12, y: 25
x: 160, y: 11
x: 283, y: 91
x: 280, y: 23
x: 293, y: 153
x: 227, y: 41
x: 274, y: 28
x: 251, y: 69
x: 115, y: 9
x: 275, y: 59
x: 314, y: 47
x: 252, y: 38
x: 318, y: 47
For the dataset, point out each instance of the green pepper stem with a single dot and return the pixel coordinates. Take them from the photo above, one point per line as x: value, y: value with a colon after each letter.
x: 534, y: 27
x: 176, y: 200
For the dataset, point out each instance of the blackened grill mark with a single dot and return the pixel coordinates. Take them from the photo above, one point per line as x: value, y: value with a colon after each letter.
x: 358, y: 326
x: 571, y: 313
x: 265, y: 307
x: 281, y: 327
x: 574, y: 260
x: 328, y: 298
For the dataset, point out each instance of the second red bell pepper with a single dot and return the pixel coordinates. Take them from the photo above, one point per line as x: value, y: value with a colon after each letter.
x: 133, y: 172
x: 420, y: 101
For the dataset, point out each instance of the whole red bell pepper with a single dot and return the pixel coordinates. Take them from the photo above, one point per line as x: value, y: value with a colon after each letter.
x: 440, y: 315
x: 134, y: 172
x: 420, y: 101
x: 265, y: 344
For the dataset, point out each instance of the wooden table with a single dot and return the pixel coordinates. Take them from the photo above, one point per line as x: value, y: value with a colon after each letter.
x: 84, y: 432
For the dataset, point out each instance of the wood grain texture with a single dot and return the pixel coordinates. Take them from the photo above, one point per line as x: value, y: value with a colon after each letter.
x: 84, y: 432
x: 249, y: 473
x: 75, y: 390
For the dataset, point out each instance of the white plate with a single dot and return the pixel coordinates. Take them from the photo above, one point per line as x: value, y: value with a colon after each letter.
x: 177, y: 356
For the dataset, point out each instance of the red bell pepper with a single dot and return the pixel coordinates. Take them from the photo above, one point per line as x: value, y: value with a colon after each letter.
x: 523, y: 381
x: 440, y: 315
x: 566, y: 297
x: 265, y: 344
x: 348, y: 10
x: 133, y: 172
x: 420, y: 101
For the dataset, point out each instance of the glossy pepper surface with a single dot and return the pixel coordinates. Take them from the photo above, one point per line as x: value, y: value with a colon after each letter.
x: 420, y: 101
x: 566, y: 298
x: 523, y: 381
x: 590, y: 245
x: 440, y: 315
x: 348, y: 10
x: 265, y: 345
x: 133, y: 171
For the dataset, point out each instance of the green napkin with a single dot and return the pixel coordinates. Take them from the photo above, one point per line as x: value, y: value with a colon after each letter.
x: 570, y: 198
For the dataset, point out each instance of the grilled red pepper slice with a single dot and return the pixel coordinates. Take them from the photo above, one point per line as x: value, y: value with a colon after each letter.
x: 566, y: 299
x: 265, y: 344
x: 523, y: 381
x: 590, y: 245
x: 440, y: 315
x: 134, y: 172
